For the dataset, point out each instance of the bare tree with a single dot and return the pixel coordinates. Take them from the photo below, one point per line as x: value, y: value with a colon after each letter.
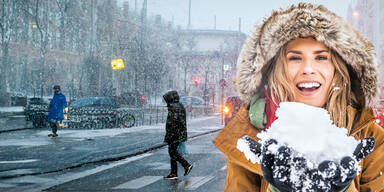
x: 9, y: 17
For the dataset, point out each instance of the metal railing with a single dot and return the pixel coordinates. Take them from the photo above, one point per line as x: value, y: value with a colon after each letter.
x: 152, y: 115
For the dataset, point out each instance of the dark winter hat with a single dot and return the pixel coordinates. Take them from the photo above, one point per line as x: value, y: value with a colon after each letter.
x: 56, y: 87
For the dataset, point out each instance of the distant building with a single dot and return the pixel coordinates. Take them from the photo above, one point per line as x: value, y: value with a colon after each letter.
x: 207, y: 56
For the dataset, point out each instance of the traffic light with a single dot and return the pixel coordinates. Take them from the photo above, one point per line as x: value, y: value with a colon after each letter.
x: 196, y: 80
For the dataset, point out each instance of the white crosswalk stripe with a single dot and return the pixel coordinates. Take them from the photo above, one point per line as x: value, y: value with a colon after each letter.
x: 139, y: 182
x: 160, y: 166
x: 194, y: 182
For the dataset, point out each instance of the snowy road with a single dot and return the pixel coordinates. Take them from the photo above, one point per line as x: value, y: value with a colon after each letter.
x: 29, y: 153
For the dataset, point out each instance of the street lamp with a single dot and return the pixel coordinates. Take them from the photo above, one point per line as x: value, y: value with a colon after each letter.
x: 117, y: 64
x: 356, y: 13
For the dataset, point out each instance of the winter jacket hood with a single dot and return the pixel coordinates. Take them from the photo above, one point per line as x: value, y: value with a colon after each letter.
x: 300, y: 21
x: 171, y: 97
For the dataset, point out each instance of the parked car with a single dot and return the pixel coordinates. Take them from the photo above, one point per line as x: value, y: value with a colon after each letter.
x: 98, y: 112
x: 192, y: 101
x: 36, y: 111
x: 231, y: 107
x: 87, y: 112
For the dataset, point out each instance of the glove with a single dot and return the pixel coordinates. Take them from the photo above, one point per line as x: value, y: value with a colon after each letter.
x: 330, y: 176
x: 276, y: 168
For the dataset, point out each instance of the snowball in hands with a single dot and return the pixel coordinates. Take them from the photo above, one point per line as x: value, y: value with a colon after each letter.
x: 309, y: 131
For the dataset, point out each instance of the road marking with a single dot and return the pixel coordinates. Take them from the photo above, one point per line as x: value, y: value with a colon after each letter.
x: 160, y: 166
x: 20, y: 161
x: 223, y: 168
x: 6, y: 185
x: 26, y: 179
x: 138, y: 183
x: 73, y: 176
x: 194, y: 182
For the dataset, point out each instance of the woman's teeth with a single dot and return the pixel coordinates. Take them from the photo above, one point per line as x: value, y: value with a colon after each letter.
x: 308, y: 85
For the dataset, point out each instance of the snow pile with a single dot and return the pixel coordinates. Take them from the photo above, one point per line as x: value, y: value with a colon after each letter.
x: 310, y: 131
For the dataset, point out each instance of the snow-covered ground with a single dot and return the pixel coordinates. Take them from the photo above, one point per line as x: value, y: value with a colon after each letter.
x: 40, y: 138
x: 12, y: 109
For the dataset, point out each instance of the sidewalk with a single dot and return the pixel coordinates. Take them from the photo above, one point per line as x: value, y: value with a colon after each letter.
x: 12, y: 118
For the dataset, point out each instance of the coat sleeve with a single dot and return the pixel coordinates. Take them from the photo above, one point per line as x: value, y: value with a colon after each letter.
x: 240, y: 179
x: 372, y: 173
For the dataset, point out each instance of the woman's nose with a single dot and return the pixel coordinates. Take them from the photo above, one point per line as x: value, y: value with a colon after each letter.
x: 308, y: 67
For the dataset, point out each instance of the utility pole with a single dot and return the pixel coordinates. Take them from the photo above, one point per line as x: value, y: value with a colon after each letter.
x: 189, y: 16
x: 142, y: 53
x: 239, y: 24
x: 214, y: 22
x: 135, y: 6
x: 222, y: 91
x: 91, y: 39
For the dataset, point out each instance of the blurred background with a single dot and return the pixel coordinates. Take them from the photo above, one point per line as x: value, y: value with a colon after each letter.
x: 140, y: 48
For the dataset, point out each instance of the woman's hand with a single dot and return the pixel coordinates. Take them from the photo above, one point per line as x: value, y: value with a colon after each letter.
x: 276, y: 167
x: 288, y: 172
x: 338, y: 176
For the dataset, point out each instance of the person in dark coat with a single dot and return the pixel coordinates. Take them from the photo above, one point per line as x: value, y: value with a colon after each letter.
x: 176, y: 132
x: 56, y: 110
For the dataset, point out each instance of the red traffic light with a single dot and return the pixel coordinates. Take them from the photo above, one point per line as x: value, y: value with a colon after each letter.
x: 196, y: 80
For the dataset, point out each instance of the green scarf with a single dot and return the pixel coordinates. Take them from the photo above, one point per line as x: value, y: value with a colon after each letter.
x: 257, y: 112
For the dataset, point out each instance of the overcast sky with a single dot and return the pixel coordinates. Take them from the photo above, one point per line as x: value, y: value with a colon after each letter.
x: 227, y: 11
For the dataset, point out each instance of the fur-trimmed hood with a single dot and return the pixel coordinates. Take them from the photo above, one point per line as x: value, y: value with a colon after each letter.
x: 299, y: 21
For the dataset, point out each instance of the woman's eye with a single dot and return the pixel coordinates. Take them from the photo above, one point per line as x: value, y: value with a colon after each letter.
x: 294, y: 58
x: 322, y: 58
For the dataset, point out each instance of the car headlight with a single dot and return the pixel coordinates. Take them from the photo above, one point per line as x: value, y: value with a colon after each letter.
x: 226, y: 109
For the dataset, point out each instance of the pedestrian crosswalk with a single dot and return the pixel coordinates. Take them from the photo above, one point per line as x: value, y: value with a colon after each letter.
x: 194, y: 182
x: 139, y: 182
x: 159, y: 166
x: 191, y: 183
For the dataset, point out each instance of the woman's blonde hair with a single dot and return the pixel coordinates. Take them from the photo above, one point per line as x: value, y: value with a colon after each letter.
x: 339, y: 96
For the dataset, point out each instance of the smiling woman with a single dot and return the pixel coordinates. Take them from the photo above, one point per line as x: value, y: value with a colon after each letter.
x: 309, y: 72
x: 308, y: 55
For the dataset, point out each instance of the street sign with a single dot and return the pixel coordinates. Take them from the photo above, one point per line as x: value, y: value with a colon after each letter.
x: 222, y: 83
x: 226, y: 66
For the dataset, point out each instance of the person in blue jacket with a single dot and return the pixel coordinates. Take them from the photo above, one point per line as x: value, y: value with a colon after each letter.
x: 56, y: 110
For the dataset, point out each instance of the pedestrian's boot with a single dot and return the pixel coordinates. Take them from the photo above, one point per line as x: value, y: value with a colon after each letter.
x: 50, y: 135
x: 55, y: 135
x: 187, y: 169
x: 171, y: 176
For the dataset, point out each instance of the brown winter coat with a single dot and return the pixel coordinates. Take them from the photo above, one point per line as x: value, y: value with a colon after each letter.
x: 242, y: 175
